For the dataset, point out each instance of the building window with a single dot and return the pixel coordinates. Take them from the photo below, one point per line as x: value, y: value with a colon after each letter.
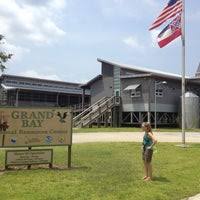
x: 159, y: 92
x: 13, y: 82
x: 135, y: 93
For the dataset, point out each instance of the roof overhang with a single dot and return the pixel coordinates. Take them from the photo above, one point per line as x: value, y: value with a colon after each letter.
x: 157, y: 73
x: 135, y: 76
x: 44, y: 89
x: 90, y: 82
x: 132, y: 87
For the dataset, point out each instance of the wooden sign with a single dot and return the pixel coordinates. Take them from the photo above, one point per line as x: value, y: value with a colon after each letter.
x: 29, y: 127
x: 29, y: 157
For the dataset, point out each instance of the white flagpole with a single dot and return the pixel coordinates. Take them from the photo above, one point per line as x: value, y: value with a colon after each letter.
x: 183, y: 73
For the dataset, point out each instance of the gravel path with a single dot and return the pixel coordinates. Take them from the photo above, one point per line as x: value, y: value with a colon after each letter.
x: 133, y: 137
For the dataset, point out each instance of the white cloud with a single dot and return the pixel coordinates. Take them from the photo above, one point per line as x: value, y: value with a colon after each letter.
x: 57, y: 4
x: 133, y: 42
x: 152, y: 3
x: 136, y: 9
x: 17, y: 51
x: 35, y: 74
x: 28, y: 20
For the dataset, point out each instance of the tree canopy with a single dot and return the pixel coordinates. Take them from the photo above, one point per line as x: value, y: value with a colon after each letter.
x: 4, y: 57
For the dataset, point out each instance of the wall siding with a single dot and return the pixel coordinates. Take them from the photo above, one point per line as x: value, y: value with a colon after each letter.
x: 104, y: 86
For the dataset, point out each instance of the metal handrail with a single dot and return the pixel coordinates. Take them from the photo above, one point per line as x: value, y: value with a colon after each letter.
x: 99, y: 111
x: 88, y: 109
x: 101, y: 107
x: 79, y: 106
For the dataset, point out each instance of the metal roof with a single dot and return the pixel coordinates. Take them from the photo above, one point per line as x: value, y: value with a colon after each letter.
x: 91, y: 81
x: 134, y: 76
x: 142, y: 69
x: 191, y: 94
x: 37, y: 79
x: 10, y: 82
x: 132, y: 87
x: 46, y: 89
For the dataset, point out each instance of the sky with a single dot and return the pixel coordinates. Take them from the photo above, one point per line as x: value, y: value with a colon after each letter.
x: 62, y: 39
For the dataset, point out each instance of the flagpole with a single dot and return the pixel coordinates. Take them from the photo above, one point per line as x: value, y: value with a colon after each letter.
x: 183, y: 73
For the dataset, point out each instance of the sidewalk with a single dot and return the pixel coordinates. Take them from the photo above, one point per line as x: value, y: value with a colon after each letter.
x: 191, y: 137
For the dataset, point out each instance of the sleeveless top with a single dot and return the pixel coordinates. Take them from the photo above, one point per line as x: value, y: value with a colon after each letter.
x: 147, y: 141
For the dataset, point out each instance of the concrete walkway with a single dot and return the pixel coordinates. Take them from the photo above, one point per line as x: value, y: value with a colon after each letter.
x: 191, y: 137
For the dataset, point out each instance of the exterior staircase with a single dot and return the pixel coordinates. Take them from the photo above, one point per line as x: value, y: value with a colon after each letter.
x: 95, y: 111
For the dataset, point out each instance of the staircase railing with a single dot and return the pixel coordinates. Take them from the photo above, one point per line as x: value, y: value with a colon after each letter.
x: 77, y: 119
x: 95, y: 111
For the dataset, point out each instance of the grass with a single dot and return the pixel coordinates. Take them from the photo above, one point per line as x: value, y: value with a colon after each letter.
x: 127, y: 129
x: 108, y: 171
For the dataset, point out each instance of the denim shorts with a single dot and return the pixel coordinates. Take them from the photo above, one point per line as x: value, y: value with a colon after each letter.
x: 147, y: 155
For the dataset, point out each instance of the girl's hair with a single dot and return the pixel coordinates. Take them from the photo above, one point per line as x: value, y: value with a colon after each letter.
x: 147, y: 125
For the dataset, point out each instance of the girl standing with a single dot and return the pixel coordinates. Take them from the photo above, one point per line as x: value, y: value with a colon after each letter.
x: 148, y: 142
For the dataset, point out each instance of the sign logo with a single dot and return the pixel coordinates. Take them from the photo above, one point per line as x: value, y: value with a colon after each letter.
x: 3, y: 122
x: 61, y: 140
x: 48, y: 139
x: 4, y: 126
x: 13, y: 140
x: 62, y: 116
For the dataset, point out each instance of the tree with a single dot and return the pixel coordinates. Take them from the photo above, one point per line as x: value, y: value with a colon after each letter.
x: 4, y: 57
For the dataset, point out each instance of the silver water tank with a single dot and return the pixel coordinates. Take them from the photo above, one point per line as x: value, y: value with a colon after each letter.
x: 191, y: 110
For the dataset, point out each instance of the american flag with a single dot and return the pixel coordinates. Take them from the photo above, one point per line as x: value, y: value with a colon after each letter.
x: 173, y: 7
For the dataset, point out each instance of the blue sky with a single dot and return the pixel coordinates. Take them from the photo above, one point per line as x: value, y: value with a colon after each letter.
x: 62, y: 39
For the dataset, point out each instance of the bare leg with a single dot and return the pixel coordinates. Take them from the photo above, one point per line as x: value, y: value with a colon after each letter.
x: 149, y: 171
x: 145, y: 170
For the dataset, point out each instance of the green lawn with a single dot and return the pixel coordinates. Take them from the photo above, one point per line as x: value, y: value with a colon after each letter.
x: 108, y: 171
x: 127, y: 129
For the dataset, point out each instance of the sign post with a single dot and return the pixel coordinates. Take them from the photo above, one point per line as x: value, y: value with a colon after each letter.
x: 69, y: 156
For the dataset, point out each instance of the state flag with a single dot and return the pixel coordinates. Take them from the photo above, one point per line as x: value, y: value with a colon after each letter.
x: 170, y: 32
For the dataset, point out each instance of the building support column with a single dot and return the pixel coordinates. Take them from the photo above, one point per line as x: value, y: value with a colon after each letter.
x: 131, y: 114
x: 99, y: 122
x: 116, y: 116
x: 140, y: 118
x: 17, y: 98
x: 106, y: 119
x: 83, y: 99
x: 120, y: 114
x: 69, y: 100
x: 57, y: 99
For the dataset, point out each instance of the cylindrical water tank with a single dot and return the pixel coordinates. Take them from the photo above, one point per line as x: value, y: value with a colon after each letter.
x: 191, y: 110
